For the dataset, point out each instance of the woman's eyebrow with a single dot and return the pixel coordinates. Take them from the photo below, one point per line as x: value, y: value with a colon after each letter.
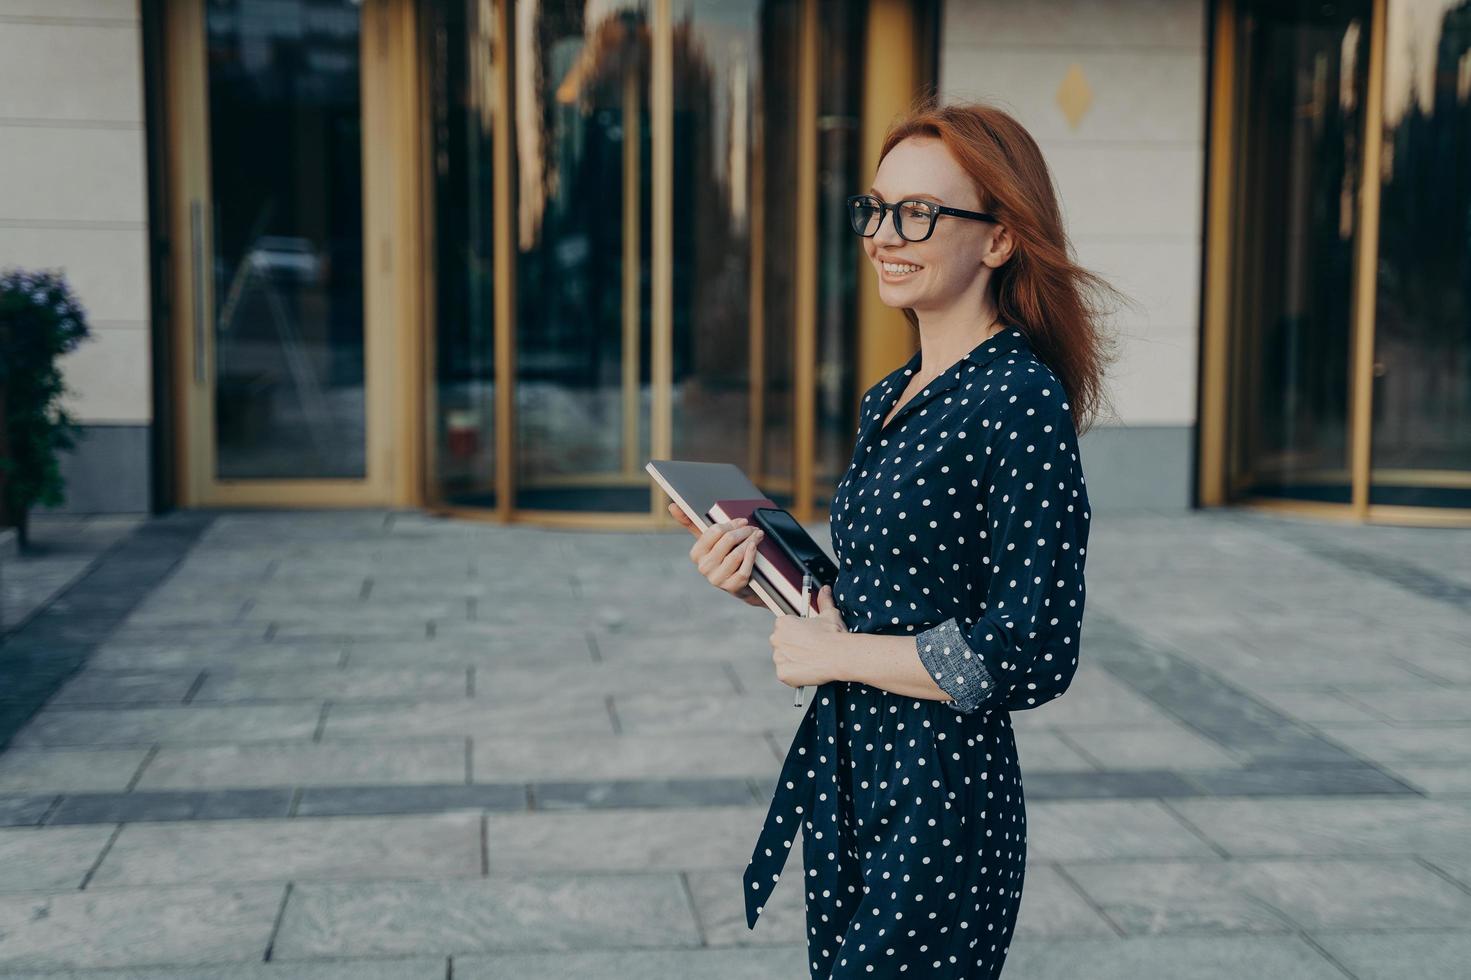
x: 928, y: 197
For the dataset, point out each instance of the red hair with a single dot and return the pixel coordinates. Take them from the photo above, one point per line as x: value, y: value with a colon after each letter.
x: 1056, y: 303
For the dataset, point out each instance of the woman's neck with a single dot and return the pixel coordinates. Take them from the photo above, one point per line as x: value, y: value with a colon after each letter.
x: 943, y: 340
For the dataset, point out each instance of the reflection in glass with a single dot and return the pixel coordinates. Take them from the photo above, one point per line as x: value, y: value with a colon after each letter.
x: 582, y: 124
x: 1299, y: 119
x: 458, y: 51
x: 735, y: 124
x: 839, y: 110
x: 1422, y: 334
x: 286, y: 181
x: 734, y: 171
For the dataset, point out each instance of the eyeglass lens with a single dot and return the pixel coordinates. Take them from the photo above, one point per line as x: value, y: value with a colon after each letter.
x: 912, y: 219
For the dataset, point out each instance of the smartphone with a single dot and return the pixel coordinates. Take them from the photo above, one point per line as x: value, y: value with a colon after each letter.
x: 797, y: 544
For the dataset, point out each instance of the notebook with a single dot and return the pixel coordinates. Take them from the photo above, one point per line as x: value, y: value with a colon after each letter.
x: 696, y: 487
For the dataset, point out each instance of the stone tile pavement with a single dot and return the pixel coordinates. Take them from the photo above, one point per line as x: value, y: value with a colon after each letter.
x: 382, y: 744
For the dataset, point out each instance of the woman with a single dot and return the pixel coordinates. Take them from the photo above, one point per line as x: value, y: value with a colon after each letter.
x: 961, y: 530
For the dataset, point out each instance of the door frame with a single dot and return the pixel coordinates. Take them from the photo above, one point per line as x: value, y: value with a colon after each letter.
x: 392, y: 271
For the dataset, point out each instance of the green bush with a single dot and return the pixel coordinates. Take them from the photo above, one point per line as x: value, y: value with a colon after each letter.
x: 40, y: 319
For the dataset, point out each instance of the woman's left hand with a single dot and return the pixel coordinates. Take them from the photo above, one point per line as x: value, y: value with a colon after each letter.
x: 803, y: 649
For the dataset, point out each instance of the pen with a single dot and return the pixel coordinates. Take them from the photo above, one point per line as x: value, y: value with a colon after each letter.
x: 806, y: 612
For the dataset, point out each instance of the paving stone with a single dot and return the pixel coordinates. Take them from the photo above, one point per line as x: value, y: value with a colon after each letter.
x: 1455, y: 865
x: 706, y: 712
x: 1390, y: 744
x: 1152, y: 748
x: 1390, y: 956
x: 60, y: 770
x: 433, y: 845
x: 1123, y: 784
x: 385, y: 968
x: 757, y: 963
x: 1220, y: 711
x: 186, y: 724
x: 125, y: 687
x: 228, y: 804
x: 344, y: 684
x: 1108, y: 830
x: 1271, y: 896
x: 575, y: 757
x: 552, y: 713
x: 1172, y: 957
x: 255, y: 655
x: 20, y: 810
x: 48, y: 859
x: 502, y: 912
x: 1052, y: 907
x: 1449, y: 779
x: 357, y: 612
x: 350, y: 800
x: 1325, y: 706
x: 345, y: 631
x: 602, y: 794
x: 522, y: 645
x: 1448, y: 663
x: 1095, y: 699
x: 1432, y: 705
x: 137, y: 926
x: 1043, y: 750
x: 1349, y: 826
x: 428, y: 760
x: 522, y: 683
x: 1328, y: 780
x: 719, y: 901
x: 674, y: 838
x: 751, y: 643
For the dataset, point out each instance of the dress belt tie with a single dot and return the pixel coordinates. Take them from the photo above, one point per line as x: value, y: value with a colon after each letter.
x: 796, y: 790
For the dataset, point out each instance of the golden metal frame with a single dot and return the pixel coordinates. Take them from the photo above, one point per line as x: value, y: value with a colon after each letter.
x: 1366, y: 279
x: 1213, y: 469
x: 503, y: 250
x: 661, y: 334
x: 1215, y: 332
x: 885, y: 338
x: 804, y: 390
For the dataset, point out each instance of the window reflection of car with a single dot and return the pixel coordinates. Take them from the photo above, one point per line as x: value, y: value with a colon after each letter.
x: 286, y: 256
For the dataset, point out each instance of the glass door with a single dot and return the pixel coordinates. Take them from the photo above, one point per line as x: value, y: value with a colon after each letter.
x: 1299, y: 119
x: 1422, y: 326
x: 280, y: 383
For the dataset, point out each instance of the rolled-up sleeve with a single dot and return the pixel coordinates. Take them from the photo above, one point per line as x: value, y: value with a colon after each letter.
x: 1022, y: 649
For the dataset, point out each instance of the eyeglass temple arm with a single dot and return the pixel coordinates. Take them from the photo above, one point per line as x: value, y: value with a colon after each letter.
x: 962, y: 213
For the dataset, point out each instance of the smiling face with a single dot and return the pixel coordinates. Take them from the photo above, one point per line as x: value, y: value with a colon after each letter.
x: 953, y: 266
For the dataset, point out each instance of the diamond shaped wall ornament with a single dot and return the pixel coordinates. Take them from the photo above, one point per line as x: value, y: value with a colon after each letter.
x: 1074, y: 95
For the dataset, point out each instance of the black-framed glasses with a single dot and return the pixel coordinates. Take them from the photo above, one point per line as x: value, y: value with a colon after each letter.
x: 914, y: 219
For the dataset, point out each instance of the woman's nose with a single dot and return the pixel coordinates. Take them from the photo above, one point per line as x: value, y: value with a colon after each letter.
x: 886, y: 231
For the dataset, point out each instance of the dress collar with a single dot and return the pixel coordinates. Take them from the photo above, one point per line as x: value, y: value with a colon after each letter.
x: 1009, y: 340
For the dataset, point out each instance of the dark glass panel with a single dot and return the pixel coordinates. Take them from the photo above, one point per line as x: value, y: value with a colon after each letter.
x: 286, y: 182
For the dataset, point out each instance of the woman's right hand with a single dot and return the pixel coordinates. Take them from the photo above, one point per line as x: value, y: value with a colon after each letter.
x: 724, y: 553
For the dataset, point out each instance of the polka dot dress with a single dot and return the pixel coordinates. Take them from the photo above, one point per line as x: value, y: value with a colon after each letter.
x: 963, y: 522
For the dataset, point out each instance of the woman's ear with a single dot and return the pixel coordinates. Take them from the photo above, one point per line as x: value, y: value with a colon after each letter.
x: 999, y: 249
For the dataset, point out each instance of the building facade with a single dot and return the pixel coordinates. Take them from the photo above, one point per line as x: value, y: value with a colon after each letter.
x: 489, y: 256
